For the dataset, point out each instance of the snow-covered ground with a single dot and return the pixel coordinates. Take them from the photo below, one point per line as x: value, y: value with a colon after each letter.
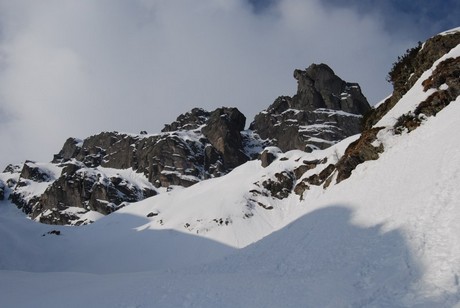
x: 386, y: 237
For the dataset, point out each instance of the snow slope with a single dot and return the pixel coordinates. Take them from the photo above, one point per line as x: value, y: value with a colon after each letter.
x: 386, y: 237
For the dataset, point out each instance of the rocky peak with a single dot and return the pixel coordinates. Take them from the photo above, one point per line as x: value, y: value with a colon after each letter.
x: 70, y: 149
x: 320, y: 87
x: 188, y: 121
x: 325, y: 110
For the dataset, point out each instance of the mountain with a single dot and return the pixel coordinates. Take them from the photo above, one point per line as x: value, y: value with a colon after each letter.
x: 105, y: 172
x: 371, y: 221
x: 325, y: 109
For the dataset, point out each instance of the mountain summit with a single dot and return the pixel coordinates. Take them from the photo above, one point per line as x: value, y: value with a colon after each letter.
x: 324, y: 110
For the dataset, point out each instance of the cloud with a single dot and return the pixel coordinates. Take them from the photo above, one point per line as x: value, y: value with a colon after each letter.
x: 78, y: 67
x: 406, y: 18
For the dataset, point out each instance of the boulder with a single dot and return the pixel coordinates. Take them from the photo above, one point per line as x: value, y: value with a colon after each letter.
x: 281, y: 185
x: 31, y: 171
x: 223, y: 130
x: 269, y: 155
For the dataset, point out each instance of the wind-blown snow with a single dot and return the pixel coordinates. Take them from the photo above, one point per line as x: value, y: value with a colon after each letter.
x: 451, y: 31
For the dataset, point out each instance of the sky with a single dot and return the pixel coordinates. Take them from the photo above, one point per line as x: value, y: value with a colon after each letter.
x: 74, y: 68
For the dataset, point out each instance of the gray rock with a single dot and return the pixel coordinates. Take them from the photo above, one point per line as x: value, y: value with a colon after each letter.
x: 325, y: 110
x: 319, y: 87
x: 188, y: 121
x: 197, y: 146
x: 12, y: 169
x: 2, y: 190
x: 30, y: 171
x: 269, y: 155
x: 85, y: 188
x: 281, y: 186
x: 223, y: 130
x: 71, y: 149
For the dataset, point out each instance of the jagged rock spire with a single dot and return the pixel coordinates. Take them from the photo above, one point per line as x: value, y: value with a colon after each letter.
x: 325, y: 109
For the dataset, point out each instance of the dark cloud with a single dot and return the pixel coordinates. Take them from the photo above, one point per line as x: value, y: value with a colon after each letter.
x: 260, y: 6
x: 406, y: 18
x: 78, y: 67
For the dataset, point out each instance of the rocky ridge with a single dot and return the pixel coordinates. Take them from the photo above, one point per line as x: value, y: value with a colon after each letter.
x: 105, y: 172
x: 410, y: 67
x: 197, y: 146
x: 441, y: 88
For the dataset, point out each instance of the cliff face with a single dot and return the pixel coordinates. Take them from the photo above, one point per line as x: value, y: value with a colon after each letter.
x: 324, y: 110
x: 319, y: 87
x: 197, y: 146
x: 105, y: 172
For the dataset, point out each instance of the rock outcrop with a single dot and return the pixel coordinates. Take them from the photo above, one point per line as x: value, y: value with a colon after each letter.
x: 445, y: 80
x: 223, y: 130
x: 88, y: 189
x: 81, y: 179
x: 409, y: 68
x: 67, y: 193
x: 325, y: 110
x: 197, y: 146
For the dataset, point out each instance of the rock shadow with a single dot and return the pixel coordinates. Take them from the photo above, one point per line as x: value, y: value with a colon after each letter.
x: 115, y: 244
x: 324, y: 260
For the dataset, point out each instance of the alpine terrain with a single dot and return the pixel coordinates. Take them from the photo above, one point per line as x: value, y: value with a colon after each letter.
x: 323, y: 201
